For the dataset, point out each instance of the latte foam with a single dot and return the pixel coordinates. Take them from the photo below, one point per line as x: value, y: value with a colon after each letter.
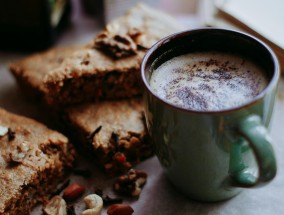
x: 208, y: 81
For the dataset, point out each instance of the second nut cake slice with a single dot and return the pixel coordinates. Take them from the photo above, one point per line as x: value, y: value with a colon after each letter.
x: 113, y: 132
x: 33, y: 160
x: 105, y: 68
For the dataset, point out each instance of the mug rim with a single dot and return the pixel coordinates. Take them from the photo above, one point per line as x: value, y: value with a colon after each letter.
x: 272, y: 82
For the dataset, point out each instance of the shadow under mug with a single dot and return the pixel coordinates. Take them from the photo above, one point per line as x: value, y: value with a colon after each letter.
x: 212, y: 155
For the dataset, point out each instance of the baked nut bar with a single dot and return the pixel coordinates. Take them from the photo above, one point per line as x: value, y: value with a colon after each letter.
x: 113, y: 132
x: 106, y: 68
x: 33, y: 160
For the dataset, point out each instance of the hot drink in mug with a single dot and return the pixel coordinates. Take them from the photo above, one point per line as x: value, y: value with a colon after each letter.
x: 209, y: 97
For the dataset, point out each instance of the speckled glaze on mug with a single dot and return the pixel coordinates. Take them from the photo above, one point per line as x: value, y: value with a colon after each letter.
x: 213, y: 155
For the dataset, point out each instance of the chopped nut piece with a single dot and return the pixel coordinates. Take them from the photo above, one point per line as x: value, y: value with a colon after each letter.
x: 120, y: 44
x: 119, y: 163
x: 3, y: 131
x: 55, y: 206
x: 120, y: 157
x: 116, y: 45
x: 73, y: 192
x: 130, y: 184
x: 120, y: 209
x: 20, y: 153
x: 17, y: 153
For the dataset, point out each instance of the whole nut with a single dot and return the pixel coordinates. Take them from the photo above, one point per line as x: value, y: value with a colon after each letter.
x: 56, y: 206
x: 95, y: 204
x: 120, y: 209
x: 73, y: 192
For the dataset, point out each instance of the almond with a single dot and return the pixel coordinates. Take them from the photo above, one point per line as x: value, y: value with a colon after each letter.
x: 120, y: 209
x: 73, y: 192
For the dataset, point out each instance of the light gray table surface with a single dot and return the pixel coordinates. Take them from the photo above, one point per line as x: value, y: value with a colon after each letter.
x: 158, y: 196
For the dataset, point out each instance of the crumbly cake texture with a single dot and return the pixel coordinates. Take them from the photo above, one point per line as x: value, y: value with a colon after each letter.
x: 33, y: 159
x: 106, y: 68
x: 113, y: 132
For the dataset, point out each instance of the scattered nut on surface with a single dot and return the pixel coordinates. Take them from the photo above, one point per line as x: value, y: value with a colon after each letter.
x: 55, y: 206
x: 120, y: 209
x: 3, y: 131
x: 131, y: 184
x: 73, y: 192
x: 94, y: 204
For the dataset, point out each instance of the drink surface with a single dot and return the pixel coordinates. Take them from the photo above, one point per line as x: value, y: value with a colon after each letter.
x: 208, y: 81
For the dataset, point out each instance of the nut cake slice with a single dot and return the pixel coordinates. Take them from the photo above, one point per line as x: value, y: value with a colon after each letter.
x: 33, y: 160
x: 113, y: 132
x: 106, y: 68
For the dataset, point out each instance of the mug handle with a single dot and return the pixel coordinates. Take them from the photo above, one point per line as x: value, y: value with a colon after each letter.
x: 259, y: 141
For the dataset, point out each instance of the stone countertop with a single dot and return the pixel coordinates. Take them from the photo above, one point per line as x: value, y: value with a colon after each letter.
x: 158, y: 196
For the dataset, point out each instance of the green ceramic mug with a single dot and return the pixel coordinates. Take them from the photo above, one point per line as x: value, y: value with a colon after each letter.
x: 213, y: 155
